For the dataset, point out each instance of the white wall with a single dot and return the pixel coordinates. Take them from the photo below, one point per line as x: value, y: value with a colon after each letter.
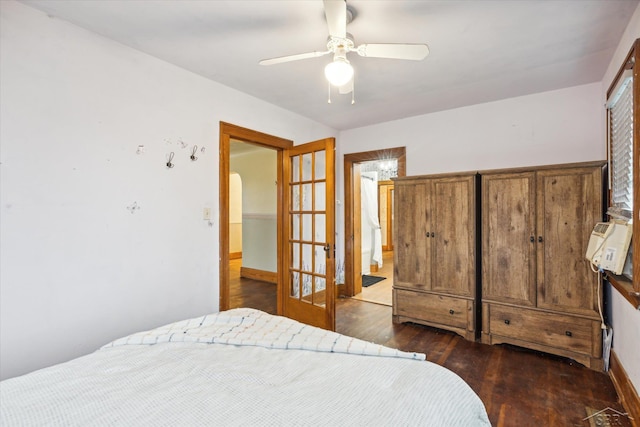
x: 545, y: 128
x: 96, y: 240
x: 625, y: 320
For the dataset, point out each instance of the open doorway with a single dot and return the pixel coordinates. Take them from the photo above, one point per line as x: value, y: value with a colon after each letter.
x: 369, y: 223
x: 234, y: 135
x: 253, y: 227
x: 376, y: 229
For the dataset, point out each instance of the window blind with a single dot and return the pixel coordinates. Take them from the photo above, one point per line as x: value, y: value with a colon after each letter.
x: 621, y: 137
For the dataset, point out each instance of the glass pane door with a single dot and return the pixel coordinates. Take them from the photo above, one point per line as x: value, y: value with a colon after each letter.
x: 311, y: 234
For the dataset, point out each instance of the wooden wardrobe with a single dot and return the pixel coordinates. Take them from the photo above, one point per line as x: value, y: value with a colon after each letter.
x: 538, y: 290
x: 435, y: 252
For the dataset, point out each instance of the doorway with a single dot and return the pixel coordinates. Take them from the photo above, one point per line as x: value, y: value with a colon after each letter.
x: 253, y: 252
x: 354, y: 166
x: 305, y: 224
x: 229, y: 133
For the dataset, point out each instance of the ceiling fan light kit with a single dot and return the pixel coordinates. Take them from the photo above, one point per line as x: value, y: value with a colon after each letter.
x: 339, y: 72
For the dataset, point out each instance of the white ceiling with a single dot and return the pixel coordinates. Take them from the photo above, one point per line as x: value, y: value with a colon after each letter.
x: 481, y: 50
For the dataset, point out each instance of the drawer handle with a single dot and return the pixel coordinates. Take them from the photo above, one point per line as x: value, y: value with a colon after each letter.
x: 451, y: 311
x: 507, y: 321
x: 568, y: 333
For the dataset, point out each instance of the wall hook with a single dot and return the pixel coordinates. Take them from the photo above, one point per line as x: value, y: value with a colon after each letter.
x: 169, y: 164
x: 193, y: 153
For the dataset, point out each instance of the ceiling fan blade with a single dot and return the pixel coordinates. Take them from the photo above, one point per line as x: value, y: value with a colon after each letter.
x: 336, y: 13
x: 290, y: 58
x: 415, y: 52
x: 346, y: 88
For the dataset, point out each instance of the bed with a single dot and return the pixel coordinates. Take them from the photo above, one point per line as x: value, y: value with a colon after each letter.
x: 241, y: 367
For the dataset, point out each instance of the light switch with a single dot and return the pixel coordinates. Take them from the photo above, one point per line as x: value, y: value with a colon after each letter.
x: 206, y: 214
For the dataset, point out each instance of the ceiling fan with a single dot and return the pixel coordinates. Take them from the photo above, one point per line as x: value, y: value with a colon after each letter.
x: 339, y: 72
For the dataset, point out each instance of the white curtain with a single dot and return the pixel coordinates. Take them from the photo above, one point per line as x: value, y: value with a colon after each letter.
x: 369, y: 187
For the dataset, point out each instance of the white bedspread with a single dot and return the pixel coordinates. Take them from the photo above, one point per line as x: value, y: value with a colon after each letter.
x: 182, y: 375
x: 246, y: 326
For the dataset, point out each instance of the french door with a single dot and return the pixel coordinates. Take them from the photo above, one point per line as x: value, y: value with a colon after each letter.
x: 309, y: 285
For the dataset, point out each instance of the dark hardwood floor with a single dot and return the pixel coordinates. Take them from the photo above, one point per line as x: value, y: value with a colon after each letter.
x: 518, y: 387
x: 250, y: 293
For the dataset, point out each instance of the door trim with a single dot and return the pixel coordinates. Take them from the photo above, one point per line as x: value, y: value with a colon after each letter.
x: 227, y: 133
x: 351, y: 258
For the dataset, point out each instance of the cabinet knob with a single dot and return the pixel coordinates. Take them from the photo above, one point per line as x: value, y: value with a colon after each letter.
x: 433, y: 234
x: 540, y: 239
x: 568, y: 333
x: 532, y: 239
x: 507, y: 321
x: 451, y: 311
x: 427, y: 234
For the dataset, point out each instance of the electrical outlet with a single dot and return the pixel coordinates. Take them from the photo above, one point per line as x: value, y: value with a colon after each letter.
x: 206, y: 214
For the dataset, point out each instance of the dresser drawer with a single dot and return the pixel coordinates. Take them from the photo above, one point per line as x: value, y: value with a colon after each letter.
x: 554, y: 330
x: 433, y: 308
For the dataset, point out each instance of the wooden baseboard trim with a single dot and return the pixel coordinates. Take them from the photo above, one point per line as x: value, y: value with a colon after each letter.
x: 262, y: 275
x: 627, y: 393
x: 235, y: 255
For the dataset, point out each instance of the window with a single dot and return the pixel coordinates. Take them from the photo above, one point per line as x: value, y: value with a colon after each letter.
x: 623, y: 121
x: 621, y: 139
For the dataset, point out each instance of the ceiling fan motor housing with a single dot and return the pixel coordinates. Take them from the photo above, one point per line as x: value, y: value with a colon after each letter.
x: 337, y: 44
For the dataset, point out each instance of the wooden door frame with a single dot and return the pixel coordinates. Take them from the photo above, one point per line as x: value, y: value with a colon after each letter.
x: 351, y: 229
x: 227, y: 133
x: 388, y: 188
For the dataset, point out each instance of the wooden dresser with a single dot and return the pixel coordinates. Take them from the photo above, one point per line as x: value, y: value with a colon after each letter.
x: 435, y: 252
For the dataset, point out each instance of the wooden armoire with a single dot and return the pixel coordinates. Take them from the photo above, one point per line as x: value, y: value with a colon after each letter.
x: 435, y: 252
x: 529, y: 229
x: 538, y: 290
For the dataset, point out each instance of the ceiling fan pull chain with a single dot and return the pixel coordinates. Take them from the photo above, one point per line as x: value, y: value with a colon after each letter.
x: 329, y: 90
x: 353, y: 91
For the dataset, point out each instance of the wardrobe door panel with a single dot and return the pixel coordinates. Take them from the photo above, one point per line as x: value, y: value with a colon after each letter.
x: 412, y: 252
x: 569, y: 204
x: 454, y: 240
x: 508, y: 238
